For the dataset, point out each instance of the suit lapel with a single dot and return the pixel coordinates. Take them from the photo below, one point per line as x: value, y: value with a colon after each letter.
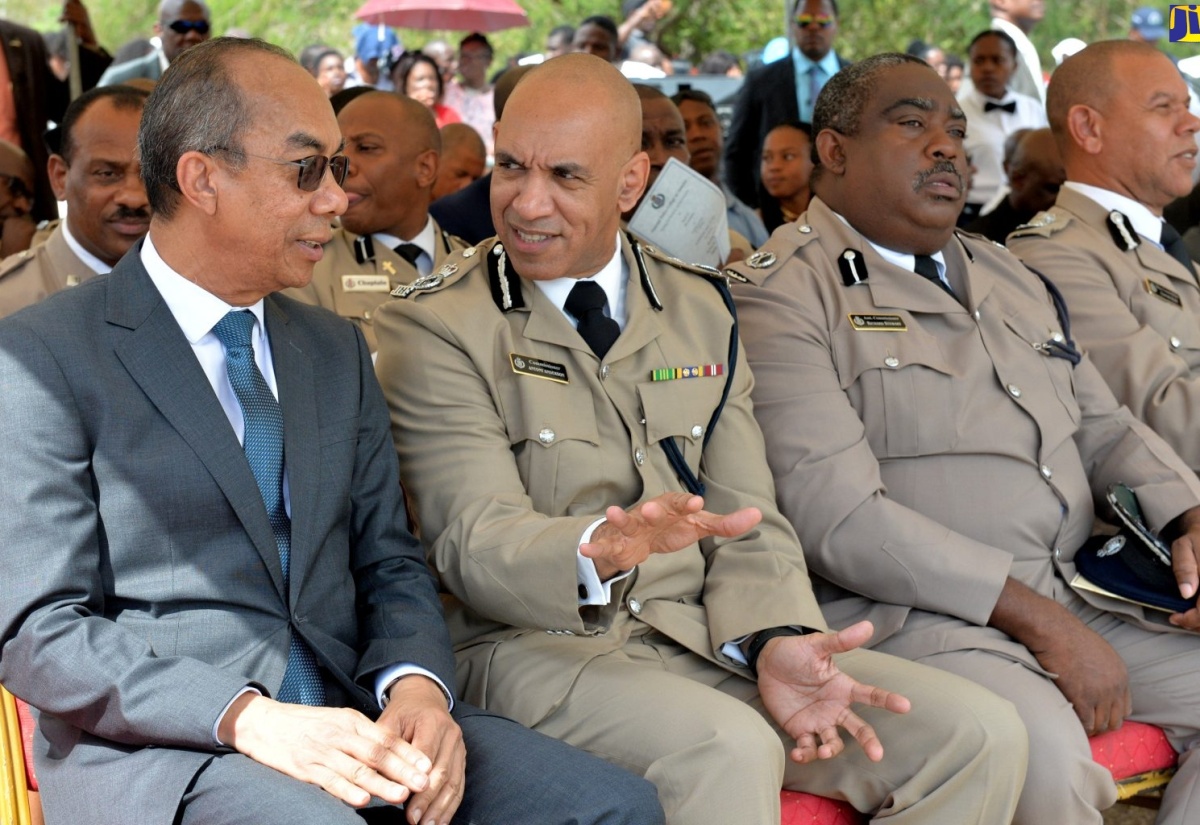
x: 162, y: 362
x: 301, y: 436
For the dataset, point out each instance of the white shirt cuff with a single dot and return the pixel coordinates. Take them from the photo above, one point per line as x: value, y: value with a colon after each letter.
x: 217, y: 724
x: 388, y: 675
x: 591, y: 589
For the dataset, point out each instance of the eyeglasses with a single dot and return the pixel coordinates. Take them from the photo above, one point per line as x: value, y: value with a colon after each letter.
x: 312, y: 168
x: 184, y: 26
x: 17, y: 187
x: 822, y: 20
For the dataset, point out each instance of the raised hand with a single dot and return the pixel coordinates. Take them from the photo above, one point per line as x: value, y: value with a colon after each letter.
x: 663, y: 524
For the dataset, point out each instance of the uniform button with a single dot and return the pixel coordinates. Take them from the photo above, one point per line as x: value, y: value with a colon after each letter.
x: 892, y: 361
x: 697, y: 431
x: 635, y: 607
x: 547, y: 436
x: 639, y: 455
x: 805, y: 229
x: 366, y: 315
x: 1175, y: 342
x: 976, y: 314
x: 1058, y: 552
x: 1046, y: 472
x: 604, y: 371
x: 469, y: 252
x: 1058, y: 338
x: 1014, y: 390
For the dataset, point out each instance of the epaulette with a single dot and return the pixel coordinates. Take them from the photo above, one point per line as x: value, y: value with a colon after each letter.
x: 1044, y: 224
x: 783, y: 244
x: 452, y: 270
x: 44, y: 230
x: 963, y: 235
x: 698, y: 269
x: 15, y: 261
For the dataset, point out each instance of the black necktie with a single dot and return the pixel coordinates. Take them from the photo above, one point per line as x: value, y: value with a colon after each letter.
x: 1175, y: 246
x: 586, y: 303
x: 1010, y: 107
x: 409, y: 252
x: 926, y: 267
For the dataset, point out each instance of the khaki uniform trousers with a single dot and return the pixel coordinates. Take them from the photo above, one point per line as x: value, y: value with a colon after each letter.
x: 701, y: 735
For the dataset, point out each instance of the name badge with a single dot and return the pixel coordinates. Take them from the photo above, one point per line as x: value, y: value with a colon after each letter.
x: 537, y: 368
x: 366, y: 283
x: 1163, y: 294
x: 877, y: 323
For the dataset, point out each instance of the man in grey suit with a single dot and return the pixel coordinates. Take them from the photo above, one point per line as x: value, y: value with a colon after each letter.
x: 203, y: 622
x: 181, y: 25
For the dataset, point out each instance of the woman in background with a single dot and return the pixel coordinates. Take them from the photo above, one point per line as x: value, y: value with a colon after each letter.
x: 416, y: 75
x: 785, y: 171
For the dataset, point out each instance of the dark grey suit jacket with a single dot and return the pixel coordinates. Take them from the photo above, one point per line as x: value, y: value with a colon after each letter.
x: 767, y: 98
x: 142, y: 587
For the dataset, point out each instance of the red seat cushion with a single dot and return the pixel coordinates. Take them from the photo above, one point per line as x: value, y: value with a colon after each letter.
x: 1135, y: 748
x: 27, y: 740
x: 806, y: 809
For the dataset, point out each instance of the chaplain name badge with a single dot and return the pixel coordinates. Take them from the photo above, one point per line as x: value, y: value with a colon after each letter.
x: 877, y: 323
x: 366, y: 283
x: 537, y: 368
x: 1163, y: 294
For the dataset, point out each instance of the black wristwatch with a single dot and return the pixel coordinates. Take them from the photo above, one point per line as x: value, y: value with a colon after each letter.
x: 755, y: 648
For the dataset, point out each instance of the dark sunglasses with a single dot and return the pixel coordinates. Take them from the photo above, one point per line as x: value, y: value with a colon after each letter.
x: 185, y: 26
x: 312, y: 168
x: 822, y: 20
x: 16, y: 186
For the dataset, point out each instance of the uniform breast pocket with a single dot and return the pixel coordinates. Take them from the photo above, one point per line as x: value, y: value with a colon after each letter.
x: 552, y: 429
x: 1183, y: 336
x: 1056, y: 376
x: 681, y: 410
x: 905, y: 391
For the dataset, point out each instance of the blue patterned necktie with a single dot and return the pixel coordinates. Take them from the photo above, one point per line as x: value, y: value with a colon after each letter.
x: 816, y: 78
x: 263, y: 444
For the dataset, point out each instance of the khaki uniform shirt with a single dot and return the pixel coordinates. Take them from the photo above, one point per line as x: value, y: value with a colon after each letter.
x: 514, y: 437
x: 925, y: 449
x: 28, y: 277
x: 353, y: 278
x: 1136, y: 312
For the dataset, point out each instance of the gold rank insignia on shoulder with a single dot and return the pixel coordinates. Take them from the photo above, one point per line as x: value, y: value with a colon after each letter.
x: 430, y: 281
x: 538, y: 368
x: 761, y: 260
x: 1163, y: 293
x: 877, y: 323
x: 366, y: 283
x: 676, y: 373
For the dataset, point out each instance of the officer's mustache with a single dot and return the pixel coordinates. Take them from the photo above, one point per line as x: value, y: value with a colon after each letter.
x: 124, y: 213
x: 939, y: 168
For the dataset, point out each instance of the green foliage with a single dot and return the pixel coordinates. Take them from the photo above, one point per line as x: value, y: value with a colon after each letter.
x: 693, y: 28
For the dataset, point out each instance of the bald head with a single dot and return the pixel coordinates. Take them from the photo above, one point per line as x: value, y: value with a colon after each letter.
x: 582, y: 86
x: 397, y: 115
x: 1035, y: 171
x: 505, y: 85
x: 567, y: 165
x: 464, y: 158
x: 1087, y: 79
x: 1119, y: 112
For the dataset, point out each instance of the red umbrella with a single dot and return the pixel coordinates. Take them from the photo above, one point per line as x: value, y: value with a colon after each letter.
x: 451, y: 15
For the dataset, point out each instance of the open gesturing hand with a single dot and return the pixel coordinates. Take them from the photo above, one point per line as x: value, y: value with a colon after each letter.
x: 810, y: 698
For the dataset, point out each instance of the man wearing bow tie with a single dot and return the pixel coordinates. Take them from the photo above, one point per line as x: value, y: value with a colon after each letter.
x: 994, y: 111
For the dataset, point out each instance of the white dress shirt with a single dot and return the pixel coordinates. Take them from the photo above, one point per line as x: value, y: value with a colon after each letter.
x: 426, y: 239
x: 986, y: 133
x: 90, y: 261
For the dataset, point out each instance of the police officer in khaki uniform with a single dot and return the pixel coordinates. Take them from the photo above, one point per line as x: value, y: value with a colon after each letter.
x: 1119, y: 112
x: 387, y: 237
x: 937, y: 442
x: 557, y: 398
x: 96, y: 171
